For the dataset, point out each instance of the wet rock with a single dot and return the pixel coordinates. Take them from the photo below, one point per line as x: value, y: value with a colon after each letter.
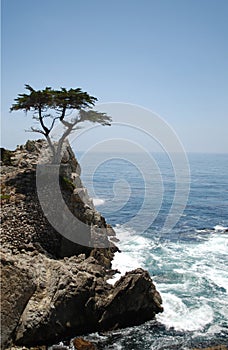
x: 114, y: 239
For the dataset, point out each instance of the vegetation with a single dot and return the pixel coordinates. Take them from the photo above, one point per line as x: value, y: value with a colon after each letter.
x: 50, y: 106
x: 67, y: 184
x: 4, y: 196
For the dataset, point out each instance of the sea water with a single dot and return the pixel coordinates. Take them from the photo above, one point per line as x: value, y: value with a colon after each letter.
x: 188, y: 264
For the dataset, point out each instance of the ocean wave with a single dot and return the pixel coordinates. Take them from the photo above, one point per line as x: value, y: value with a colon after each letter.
x: 182, y: 318
x: 216, y: 228
x: 219, y: 228
x: 98, y: 201
x: 192, y: 278
x: 133, y: 248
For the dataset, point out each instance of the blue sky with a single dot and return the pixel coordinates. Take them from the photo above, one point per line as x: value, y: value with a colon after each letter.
x: 170, y: 56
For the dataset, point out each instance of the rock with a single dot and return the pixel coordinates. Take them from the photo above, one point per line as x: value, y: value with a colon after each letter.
x: 31, y: 146
x: 82, y: 344
x: 21, y: 182
x: 16, y: 289
x: 114, y: 239
x: 133, y: 300
x: 76, y: 180
x: 42, y: 347
x: 6, y: 156
x: 110, y: 231
x: 52, y: 288
x: 71, y: 297
x: 58, y: 308
x: 79, y: 195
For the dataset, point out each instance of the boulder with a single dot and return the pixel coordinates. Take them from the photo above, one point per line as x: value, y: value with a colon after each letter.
x: 133, y: 300
x: 72, y: 297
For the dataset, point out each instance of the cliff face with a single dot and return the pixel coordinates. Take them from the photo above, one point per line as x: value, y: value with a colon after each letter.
x: 53, y: 288
x: 23, y: 220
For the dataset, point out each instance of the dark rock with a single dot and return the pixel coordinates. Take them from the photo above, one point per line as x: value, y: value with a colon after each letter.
x: 31, y: 146
x: 110, y: 231
x: 6, y: 156
x: 114, y: 239
x: 72, y: 297
x: 133, y: 300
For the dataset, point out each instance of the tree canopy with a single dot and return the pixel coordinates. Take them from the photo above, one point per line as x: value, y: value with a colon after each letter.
x: 49, y: 106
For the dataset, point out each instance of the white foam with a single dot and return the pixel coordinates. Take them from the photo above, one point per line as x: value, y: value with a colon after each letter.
x: 132, y: 247
x: 216, y: 244
x: 178, y: 316
x: 217, y: 276
x: 216, y: 228
x: 195, y: 267
x: 123, y: 262
x: 214, y: 329
x: 203, y: 230
x: 219, y: 228
x: 98, y: 201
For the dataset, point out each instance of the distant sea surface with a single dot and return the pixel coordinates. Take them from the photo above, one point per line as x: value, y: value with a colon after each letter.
x: 188, y: 264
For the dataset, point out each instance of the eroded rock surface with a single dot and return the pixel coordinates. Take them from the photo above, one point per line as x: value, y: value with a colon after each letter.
x: 17, y: 287
x: 53, y: 288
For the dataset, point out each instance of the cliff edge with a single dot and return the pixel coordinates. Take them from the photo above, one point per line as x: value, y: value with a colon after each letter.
x: 53, y: 288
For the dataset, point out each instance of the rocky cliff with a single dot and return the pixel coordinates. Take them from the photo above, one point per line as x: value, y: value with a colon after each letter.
x: 53, y: 288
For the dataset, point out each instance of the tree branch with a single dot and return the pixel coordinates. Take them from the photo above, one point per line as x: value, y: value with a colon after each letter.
x: 53, y: 123
x: 46, y: 130
x: 36, y: 130
x: 52, y: 147
x: 63, y: 113
x: 69, y: 128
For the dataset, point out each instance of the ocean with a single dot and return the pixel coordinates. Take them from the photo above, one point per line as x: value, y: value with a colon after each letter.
x: 187, y: 262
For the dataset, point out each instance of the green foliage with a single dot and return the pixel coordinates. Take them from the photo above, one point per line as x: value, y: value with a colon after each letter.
x: 4, y: 196
x: 94, y: 117
x: 50, y: 106
x: 54, y: 99
x: 67, y: 184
